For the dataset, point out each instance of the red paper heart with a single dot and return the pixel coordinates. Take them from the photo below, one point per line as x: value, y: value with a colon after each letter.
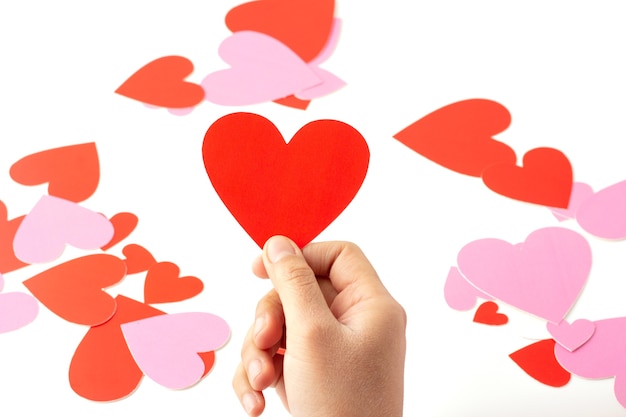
x: 8, y: 228
x: 302, y: 25
x: 487, y: 313
x: 545, y: 178
x: 138, y: 259
x: 163, y: 285
x: 124, y: 224
x: 271, y: 187
x: 459, y: 136
x: 539, y: 362
x: 162, y: 83
x: 73, y: 290
x: 72, y: 172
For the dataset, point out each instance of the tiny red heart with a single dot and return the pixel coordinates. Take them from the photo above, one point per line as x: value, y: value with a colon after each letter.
x: 162, y: 83
x: 487, y: 313
x: 138, y: 259
x: 539, y: 362
x: 124, y: 224
x: 163, y: 284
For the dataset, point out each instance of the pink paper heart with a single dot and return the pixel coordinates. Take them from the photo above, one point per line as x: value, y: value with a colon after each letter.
x: 604, y: 213
x: 542, y: 276
x: 166, y: 347
x: 262, y: 70
x: 459, y: 293
x: 580, y: 193
x: 572, y: 336
x: 601, y: 357
x: 17, y: 309
x: 55, y: 222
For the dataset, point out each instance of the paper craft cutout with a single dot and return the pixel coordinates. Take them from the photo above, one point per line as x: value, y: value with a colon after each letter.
x: 487, y: 313
x: 574, y: 335
x: 601, y: 357
x: 545, y: 177
x: 17, y: 309
x: 72, y: 172
x: 123, y: 225
x: 55, y: 222
x: 459, y: 293
x: 271, y: 187
x: 166, y: 347
x: 542, y: 276
x: 74, y: 290
x: 163, y: 285
x: 580, y: 193
x: 162, y: 83
x: 8, y: 229
x: 603, y: 214
x: 459, y: 136
x: 138, y: 259
x: 539, y: 362
x: 302, y: 25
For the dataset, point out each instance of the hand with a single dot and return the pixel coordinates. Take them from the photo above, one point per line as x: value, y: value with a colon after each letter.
x: 343, y: 333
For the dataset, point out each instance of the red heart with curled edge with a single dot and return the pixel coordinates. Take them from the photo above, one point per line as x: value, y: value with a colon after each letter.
x: 539, y: 361
x: 271, y: 187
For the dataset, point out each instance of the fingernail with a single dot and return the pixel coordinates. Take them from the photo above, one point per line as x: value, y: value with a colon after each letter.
x: 278, y: 247
x: 254, y: 369
x: 249, y: 402
x: 259, y: 325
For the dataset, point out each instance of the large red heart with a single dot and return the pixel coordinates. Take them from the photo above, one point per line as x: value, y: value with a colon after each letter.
x: 545, y: 177
x: 162, y: 83
x: 271, y: 187
x: 302, y: 25
x: 163, y: 285
x: 8, y: 228
x: 73, y: 290
x: 539, y: 361
x: 72, y: 172
x: 459, y: 136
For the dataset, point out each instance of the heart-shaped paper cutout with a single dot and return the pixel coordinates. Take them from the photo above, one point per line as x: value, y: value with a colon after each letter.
x: 271, y: 187
x: 459, y: 136
x: 574, y: 335
x: 17, y: 309
x: 162, y: 83
x: 460, y: 294
x: 542, y: 276
x: 74, y: 290
x: 8, y: 228
x: 123, y: 225
x: 163, y: 284
x: 166, y: 347
x: 580, y: 193
x: 138, y: 259
x: 487, y: 313
x: 538, y: 361
x: 303, y: 26
x: 262, y: 69
x: 72, y: 172
x: 545, y: 177
x: 55, y: 222
x: 604, y: 213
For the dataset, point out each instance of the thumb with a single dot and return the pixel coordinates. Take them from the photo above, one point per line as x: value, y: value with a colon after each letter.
x: 294, y: 281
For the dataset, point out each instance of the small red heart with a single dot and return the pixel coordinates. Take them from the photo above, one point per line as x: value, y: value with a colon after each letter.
x: 162, y: 83
x: 487, y: 313
x: 545, y: 178
x: 163, y: 285
x: 539, y: 362
x: 72, y: 172
x: 138, y: 259
x: 74, y: 289
x: 459, y: 136
x: 124, y: 224
x: 302, y: 25
x: 271, y: 187
x: 8, y: 261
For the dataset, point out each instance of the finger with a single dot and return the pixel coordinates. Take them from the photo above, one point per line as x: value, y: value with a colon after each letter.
x: 269, y: 322
x: 258, y: 363
x: 251, y: 400
x: 258, y: 268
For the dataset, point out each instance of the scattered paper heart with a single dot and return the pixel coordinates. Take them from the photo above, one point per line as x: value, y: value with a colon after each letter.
x: 538, y: 361
x: 574, y: 335
x: 487, y: 313
x: 138, y: 259
x: 123, y: 225
x: 163, y: 284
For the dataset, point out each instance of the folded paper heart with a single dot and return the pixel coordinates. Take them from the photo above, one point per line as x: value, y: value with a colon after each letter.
x: 271, y: 187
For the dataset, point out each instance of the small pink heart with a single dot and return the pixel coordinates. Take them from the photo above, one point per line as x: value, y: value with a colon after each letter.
x: 166, y: 347
x: 572, y: 336
x: 262, y: 69
x: 580, y: 193
x: 55, y: 222
x: 460, y: 294
x: 17, y: 309
x: 604, y: 213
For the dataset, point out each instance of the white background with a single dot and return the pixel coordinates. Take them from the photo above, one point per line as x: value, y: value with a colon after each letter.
x: 558, y: 67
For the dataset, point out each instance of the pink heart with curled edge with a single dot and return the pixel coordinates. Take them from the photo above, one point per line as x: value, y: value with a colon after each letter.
x: 604, y: 213
x: 542, y: 276
x: 262, y: 70
x: 166, y: 347
x: 580, y: 193
x: 17, y: 309
x: 459, y: 293
x: 601, y: 357
x: 574, y: 335
x: 54, y: 223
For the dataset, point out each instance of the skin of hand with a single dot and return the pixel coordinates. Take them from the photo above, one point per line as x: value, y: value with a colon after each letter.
x: 343, y: 333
